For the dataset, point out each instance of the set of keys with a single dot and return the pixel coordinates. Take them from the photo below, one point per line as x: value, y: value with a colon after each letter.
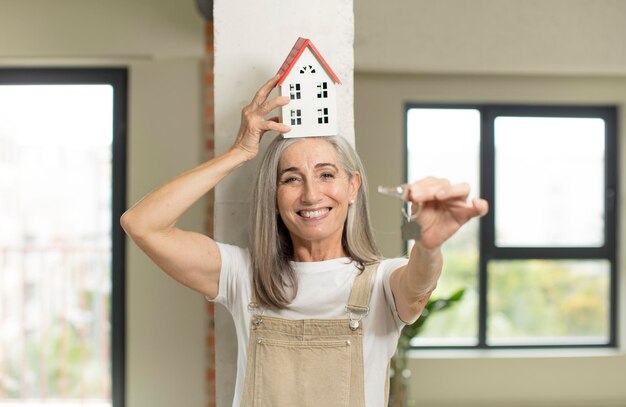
x: 411, y: 230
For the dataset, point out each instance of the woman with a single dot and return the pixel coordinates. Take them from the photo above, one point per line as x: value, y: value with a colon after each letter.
x: 317, y: 311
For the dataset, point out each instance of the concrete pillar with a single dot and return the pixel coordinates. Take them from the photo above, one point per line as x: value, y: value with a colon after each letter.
x: 252, y: 38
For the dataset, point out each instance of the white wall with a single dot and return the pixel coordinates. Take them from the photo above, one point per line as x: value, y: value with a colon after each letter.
x: 491, y: 36
x: 162, y: 44
x: 166, y: 322
x: 244, y: 60
x: 101, y: 30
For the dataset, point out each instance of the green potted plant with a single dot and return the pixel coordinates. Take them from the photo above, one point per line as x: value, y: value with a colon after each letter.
x: 398, y: 396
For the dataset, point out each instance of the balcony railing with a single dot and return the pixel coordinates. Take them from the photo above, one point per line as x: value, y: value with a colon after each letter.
x: 55, y: 326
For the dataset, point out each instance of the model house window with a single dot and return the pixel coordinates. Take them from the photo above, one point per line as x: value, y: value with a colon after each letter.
x: 296, y: 117
x: 62, y: 157
x: 307, y: 68
x: 294, y: 91
x: 322, y: 116
x: 539, y: 269
x: 322, y: 90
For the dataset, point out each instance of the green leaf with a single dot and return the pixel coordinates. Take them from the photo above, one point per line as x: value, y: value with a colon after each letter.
x: 433, y: 306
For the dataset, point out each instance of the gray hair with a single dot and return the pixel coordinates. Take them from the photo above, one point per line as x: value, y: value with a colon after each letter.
x: 274, y: 281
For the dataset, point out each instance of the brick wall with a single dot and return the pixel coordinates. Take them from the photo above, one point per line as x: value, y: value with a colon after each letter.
x: 209, y: 133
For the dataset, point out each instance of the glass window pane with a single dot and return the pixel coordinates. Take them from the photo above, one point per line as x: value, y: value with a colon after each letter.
x: 549, y: 177
x: 546, y: 302
x: 445, y: 143
x: 55, y: 244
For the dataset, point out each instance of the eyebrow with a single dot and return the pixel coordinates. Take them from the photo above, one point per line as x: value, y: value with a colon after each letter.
x: 320, y: 165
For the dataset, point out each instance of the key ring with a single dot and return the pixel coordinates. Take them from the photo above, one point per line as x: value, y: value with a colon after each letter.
x: 411, y: 230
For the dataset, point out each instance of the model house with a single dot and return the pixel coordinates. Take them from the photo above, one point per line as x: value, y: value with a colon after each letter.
x: 310, y: 83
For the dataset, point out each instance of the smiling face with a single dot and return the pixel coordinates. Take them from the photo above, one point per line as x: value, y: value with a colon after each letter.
x: 313, y: 196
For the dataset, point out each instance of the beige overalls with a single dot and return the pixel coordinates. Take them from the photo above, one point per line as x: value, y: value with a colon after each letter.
x: 309, y: 362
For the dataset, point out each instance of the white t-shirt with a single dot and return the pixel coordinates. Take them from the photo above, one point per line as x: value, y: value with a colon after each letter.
x: 323, y: 291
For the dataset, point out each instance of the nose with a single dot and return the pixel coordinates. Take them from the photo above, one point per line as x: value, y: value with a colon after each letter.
x: 311, y: 192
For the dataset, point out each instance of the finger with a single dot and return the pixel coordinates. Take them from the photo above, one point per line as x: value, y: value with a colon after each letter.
x: 477, y: 208
x: 265, y: 90
x: 456, y: 191
x: 426, y: 189
x: 272, y: 125
x: 481, y: 206
x: 413, y: 191
x: 272, y: 104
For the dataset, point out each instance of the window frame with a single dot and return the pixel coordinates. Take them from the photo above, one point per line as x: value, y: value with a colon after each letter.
x: 487, y: 248
x: 294, y: 91
x: 118, y: 78
x: 296, y: 117
x: 322, y: 115
x: 322, y: 90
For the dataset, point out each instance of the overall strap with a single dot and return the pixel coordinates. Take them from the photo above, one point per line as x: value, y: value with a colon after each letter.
x: 361, y: 290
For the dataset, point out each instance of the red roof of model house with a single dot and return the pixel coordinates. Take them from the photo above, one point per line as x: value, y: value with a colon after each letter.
x: 294, y: 55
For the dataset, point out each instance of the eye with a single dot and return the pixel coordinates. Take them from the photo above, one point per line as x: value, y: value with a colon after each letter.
x: 328, y: 176
x: 289, y: 180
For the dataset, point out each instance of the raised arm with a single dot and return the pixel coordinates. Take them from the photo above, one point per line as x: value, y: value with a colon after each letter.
x: 192, y: 258
x: 444, y: 209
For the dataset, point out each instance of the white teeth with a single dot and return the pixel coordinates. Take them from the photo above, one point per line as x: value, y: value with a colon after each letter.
x: 314, y: 214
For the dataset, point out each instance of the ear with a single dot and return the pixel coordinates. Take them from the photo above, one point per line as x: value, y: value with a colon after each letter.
x: 355, y: 184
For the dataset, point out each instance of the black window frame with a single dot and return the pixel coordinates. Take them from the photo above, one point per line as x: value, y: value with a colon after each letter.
x: 487, y: 248
x: 294, y: 91
x: 117, y: 77
x: 322, y: 115
x: 296, y: 117
x: 322, y: 90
